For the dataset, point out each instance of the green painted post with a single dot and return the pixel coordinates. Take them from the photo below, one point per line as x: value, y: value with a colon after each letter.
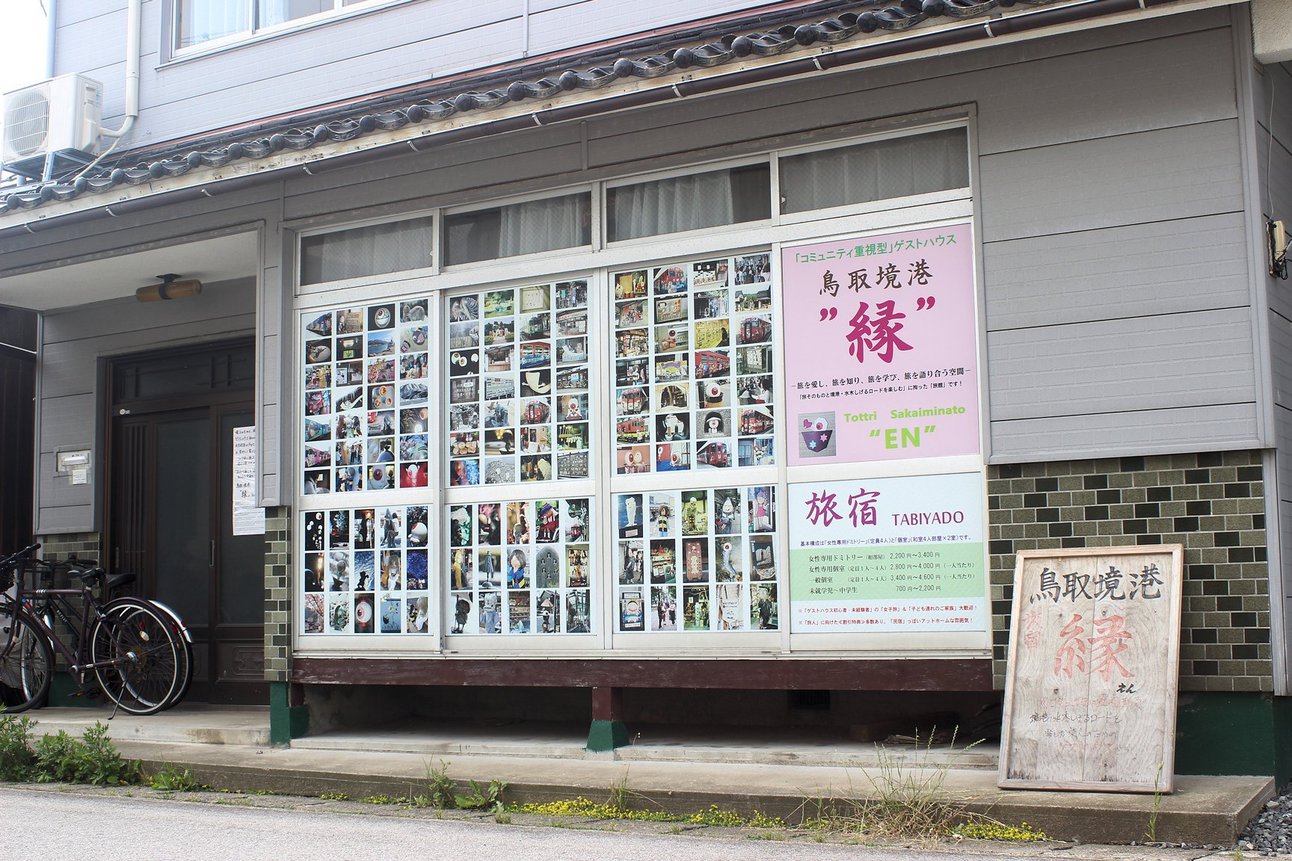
x: 286, y: 721
x: 607, y: 731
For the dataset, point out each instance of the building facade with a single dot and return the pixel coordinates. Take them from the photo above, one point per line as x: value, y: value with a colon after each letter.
x: 713, y: 359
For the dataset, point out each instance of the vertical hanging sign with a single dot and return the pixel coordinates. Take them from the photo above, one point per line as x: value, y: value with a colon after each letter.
x: 248, y: 518
x: 881, y: 358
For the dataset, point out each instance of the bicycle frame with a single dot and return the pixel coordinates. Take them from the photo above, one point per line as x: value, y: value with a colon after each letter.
x: 60, y: 602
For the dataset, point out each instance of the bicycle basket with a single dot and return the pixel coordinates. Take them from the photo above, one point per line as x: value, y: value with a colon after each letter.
x: 36, y: 574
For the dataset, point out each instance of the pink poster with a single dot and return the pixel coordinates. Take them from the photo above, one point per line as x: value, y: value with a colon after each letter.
x: 881, y: 355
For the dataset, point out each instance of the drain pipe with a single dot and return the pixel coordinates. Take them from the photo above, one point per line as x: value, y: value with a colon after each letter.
x: 133, y: 26
x: 51, y: 31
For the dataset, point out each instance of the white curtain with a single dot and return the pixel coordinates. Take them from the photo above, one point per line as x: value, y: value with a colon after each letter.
x: 671, y: 205
x: 271, y: 12
x: 900, y: 167
x: 372, y: 250
x: 203, y: 20
x: 542, y: 225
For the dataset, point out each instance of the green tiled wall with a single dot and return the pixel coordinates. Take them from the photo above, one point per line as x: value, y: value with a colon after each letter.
x: 1212, y: 503
x: 278, y: 593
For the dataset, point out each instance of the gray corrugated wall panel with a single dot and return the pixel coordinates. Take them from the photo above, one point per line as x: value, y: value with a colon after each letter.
x: 558, y: 26
x: 95, y: 47
x: 1276, y: 187
x: 434, y: 182
x: 74, y: 342
x: 1026, y: 114
x: 67, y: 362
x: 1191, y: 359
x: 73, y: 11
x: 59, y: 492
x: 1278, y: 79
x: 1213, y: 428
x: 347, y: 58
x: 1281, y: 348
x: 65, y: 518
x: 191, y: 220
x: 683, y: 128
x: 1149, y: 176
x: 337, y: 60
x: 1133, y: 271
x: 1135, y: 84
x: 67, y: 420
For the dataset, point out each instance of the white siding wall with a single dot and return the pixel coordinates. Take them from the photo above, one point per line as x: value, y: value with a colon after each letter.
x: 412, y: 43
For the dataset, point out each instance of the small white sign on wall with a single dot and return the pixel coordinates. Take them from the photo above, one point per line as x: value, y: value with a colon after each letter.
x: 248, y: 518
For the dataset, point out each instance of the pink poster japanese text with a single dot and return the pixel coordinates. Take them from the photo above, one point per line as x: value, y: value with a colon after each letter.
x: 881, y: 354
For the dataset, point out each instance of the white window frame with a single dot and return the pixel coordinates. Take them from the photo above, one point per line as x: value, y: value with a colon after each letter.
x: 932, y: 197
x: 690, y: 170
x: 176, y: 54
x: 489, y: 263
x: 597, y: 262
x: 360, y: 281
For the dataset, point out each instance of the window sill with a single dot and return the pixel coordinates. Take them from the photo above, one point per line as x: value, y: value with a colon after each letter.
x: 182, y: 57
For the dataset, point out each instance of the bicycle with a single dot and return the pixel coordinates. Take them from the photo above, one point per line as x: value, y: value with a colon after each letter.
x: 137, y: 650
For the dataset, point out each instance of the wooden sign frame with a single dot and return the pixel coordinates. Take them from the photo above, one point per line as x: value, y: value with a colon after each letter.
x: 1097, y: 711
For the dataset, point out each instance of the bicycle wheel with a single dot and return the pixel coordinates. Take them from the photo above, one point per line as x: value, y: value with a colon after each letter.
x: 136, y: 656
x: 26, y: 664
x: 185, y: 652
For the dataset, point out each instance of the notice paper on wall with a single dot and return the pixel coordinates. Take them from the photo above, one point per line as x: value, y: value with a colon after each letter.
x: 248, y: 518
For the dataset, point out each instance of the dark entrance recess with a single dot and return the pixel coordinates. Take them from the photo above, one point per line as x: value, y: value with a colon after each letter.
x: 17, y: 425
x: 169, y: 501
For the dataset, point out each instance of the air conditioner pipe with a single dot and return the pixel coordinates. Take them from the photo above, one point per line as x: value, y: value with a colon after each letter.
x: 133, y: 27
x: 51, y: 31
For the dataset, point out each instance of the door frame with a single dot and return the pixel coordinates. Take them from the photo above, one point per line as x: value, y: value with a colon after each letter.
x: 216, y: 402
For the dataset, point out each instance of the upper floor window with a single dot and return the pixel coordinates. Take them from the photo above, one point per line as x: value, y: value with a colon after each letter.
x: 200, y: 21
x: 548, y: 224
x: 876, y: 170
x: 374, y: 249
x: 689, y: 202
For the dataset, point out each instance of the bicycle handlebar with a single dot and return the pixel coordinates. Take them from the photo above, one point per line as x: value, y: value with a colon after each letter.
x: 15, y: 557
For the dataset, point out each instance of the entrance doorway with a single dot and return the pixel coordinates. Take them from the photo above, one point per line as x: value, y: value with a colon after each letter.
x: 170, y: 506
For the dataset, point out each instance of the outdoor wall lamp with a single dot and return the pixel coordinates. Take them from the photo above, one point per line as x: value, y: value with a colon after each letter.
x: 1278, y: 238
x: 171, y: 287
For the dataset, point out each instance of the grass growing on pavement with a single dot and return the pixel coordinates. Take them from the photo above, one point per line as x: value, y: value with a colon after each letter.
x: 589, y: 809
x: 906, y: 802
x: 171, y: 778
x: 990, y: 829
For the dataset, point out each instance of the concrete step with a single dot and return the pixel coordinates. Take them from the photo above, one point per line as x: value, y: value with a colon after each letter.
x: 185, y: 723
x: 650, y: 743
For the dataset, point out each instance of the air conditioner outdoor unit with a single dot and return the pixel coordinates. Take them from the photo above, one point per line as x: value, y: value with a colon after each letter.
x: 59, y: 116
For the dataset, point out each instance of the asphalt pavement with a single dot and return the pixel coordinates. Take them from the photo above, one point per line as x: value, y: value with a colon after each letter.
x: 61, y: 823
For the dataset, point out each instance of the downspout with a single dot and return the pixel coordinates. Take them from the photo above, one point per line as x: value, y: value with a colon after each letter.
x: 133, y: 28
x: 51, y: 31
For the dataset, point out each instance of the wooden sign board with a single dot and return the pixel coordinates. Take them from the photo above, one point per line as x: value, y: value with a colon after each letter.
x: 1092, y: 679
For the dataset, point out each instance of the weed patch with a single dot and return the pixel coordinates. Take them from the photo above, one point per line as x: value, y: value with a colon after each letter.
x: 172, y: 779
x: 93, y: 759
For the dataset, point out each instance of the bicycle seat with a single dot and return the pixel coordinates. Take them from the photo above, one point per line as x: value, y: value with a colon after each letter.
x: 90, y: 575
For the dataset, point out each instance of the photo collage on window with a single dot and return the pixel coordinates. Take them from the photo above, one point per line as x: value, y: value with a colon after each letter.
x: 697, y: 560
x: 366, y: 571
x: 520, y: 567
x: 693, y: 366
x: 367, y: 406
x: 518, y: 384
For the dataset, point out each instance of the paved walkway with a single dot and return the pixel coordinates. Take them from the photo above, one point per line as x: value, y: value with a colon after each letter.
x: 778, y: 775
